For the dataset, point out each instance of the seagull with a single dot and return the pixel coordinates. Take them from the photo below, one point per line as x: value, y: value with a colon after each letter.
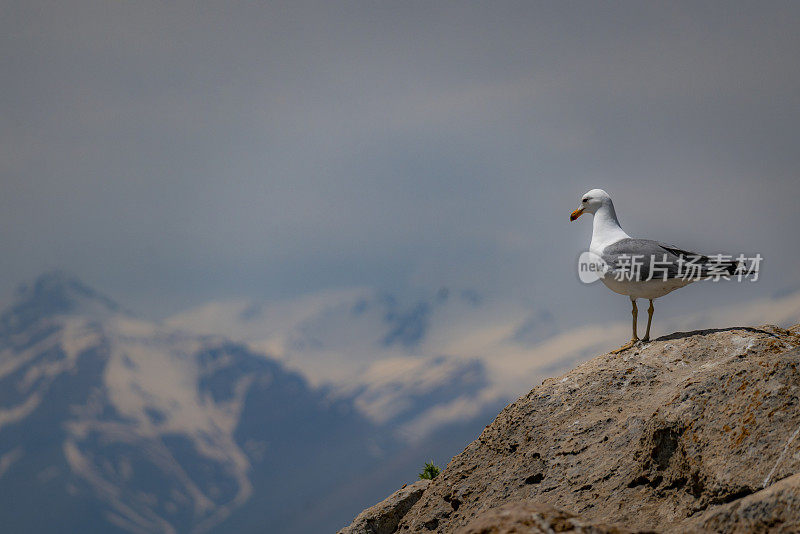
x: 641, y: 268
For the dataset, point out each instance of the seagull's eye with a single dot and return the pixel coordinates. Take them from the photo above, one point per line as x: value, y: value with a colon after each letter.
x: 585, y: 200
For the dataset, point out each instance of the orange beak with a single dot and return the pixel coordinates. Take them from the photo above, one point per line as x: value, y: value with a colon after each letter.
x: 575, y: 214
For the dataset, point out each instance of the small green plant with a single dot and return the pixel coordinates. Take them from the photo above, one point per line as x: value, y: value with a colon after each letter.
x: 430, y: 471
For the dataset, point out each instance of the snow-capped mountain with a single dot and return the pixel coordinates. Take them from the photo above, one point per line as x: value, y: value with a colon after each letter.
x: 253, y: 417
x: 111, y: 423
x: 412, y: 365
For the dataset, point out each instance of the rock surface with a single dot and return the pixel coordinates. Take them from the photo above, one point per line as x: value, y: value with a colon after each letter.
x: 534, y: 518
x: 693, y: 431
x: 384, y: 517
x: 774, y: 509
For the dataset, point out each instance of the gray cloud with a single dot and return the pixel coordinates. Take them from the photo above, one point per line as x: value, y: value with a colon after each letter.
x: 172, y: 154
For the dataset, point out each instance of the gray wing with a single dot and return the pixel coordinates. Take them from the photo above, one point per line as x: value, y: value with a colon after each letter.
x: 637, y: 256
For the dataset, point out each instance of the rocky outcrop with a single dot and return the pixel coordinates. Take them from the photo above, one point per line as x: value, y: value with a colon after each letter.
x: 694, y: 431
x: 384, y: 517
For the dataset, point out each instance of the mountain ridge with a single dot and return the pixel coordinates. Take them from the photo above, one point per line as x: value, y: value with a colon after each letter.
x: 111, y: 423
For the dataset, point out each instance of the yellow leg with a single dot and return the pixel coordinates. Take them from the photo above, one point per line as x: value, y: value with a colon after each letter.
x: 635, y: 336
x: 646, y: 337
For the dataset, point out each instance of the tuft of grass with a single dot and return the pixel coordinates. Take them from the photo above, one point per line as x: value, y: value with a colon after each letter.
x: 430, y: 471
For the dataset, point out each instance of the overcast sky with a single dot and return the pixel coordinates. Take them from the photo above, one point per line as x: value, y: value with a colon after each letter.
x: 172, y: 153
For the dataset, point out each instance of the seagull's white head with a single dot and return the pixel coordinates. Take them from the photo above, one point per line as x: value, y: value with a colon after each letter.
x: 591, y: 201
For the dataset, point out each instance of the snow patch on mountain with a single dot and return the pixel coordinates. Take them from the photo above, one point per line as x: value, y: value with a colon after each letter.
x: 411, y: 365
x: 147, y: 420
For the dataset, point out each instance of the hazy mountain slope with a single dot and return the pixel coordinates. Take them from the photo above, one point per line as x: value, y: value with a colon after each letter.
x: 112, y: 423
x: 413, y: 365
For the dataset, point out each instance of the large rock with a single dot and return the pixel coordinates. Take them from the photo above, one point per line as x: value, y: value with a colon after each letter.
x: 670, y: 436
x: 384, y: 517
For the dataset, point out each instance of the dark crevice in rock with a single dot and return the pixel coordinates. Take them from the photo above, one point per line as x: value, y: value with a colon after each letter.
x: 676, y: 484
x: 455, y: 502
x: 641, y: 480
x: 534, y: 479
x: 665, y: 443
x: 696, y: 485
x: 733, y: 496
